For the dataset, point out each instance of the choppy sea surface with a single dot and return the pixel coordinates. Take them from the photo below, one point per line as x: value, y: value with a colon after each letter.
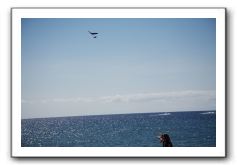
x: 186, y: 129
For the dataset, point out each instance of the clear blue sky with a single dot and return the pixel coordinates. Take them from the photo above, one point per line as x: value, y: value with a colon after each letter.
x: 133, y: 66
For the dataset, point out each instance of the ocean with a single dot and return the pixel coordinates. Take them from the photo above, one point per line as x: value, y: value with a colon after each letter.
x: 186, y: 129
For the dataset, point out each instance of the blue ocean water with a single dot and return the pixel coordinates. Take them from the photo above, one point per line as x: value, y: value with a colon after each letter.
x: 186, y: 129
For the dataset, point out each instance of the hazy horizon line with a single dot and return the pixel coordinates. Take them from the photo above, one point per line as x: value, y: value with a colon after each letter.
x: 161, y: 112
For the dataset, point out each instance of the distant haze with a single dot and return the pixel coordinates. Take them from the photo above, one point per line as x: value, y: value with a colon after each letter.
x: 133, y: 66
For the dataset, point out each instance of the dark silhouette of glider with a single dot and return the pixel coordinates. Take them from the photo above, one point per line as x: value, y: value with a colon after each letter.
x: 94, y: 35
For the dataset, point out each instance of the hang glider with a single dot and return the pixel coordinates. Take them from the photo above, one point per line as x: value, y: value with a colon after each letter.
x: 94, y: 35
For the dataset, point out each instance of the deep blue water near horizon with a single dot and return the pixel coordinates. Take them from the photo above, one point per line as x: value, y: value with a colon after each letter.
x: 186, y: 129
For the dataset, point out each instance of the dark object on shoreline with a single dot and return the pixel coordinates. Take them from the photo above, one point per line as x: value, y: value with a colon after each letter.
x: 165, y: 140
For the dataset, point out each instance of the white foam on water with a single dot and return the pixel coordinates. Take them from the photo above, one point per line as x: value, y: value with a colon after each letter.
x: 207, y: 113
